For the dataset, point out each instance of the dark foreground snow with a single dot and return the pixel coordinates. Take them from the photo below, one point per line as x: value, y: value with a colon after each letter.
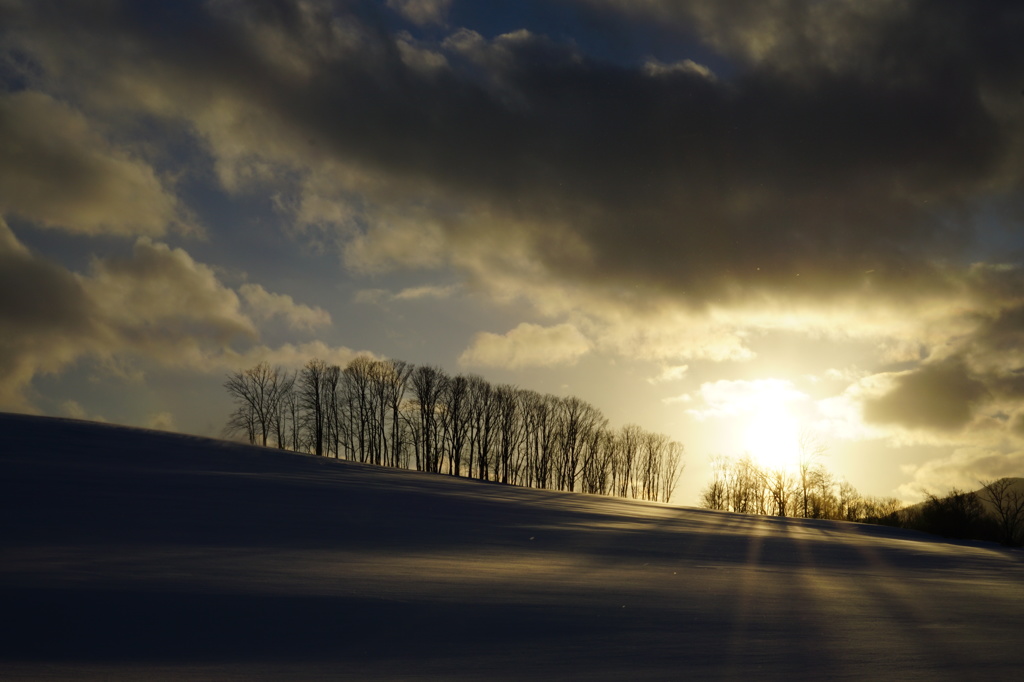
x: 136, y: 555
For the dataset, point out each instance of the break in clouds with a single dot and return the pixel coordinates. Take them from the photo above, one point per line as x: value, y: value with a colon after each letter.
x: 841, y: 170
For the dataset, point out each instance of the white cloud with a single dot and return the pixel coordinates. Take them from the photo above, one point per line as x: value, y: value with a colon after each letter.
x: 528, y: 345
x: 733, y: 397
x: 427, y: 291
x: 669, y: 373
x: 654, y: 67
x: 265, y: 305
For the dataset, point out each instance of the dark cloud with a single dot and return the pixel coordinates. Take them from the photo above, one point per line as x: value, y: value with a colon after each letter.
x: 157, y: 304
x: 45, y: 314
x: 58, y: 172
x: 1017, y: 425
x: 848, y: 141
x: 940, y: 396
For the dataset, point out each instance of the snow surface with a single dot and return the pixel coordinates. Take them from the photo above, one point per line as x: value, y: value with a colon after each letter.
x: 135, y: 554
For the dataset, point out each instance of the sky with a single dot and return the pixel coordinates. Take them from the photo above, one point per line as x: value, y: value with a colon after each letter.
x: 732, y: 222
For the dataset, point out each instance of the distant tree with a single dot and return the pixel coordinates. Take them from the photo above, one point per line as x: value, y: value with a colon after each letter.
x: 243, y: 421
x: 428, y: 384
x: 716, y: 494
x: 510, y: 433
x: 258, y: 393
x: 780, y: 486
x: 286, y: 398
x: 809, y: 469
x: 455, y: 421
x: 959, y: 514
x: 671, y: 469
x: 395, y: 378
x: 578, y: 420
x: 484, y: 418
x: 1007, y: 500
x: 849, y: 504
x: 629, y: 439
x: 311, y: 398
x: 358, y: 380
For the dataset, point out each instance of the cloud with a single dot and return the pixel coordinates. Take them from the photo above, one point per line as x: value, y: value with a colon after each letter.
x: 57, y: 171
x: 156, y: 305
x: 965, y: 468
x: 683, y: 185
x: 669, y: 373
x: 422, y: 11
x: 941, y: 396
x: 162, y: 299
x: 528, y: 345
x: 47, y: 317
x: 161, y: 421
x: 669, y: 215
x: 265, y: 305
x: 733, y: 397
x: 427, y: 291
x: 289, y: 355
x: 655, y: 68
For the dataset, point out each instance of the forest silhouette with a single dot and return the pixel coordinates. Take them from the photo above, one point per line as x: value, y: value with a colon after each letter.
x: 394, y: 413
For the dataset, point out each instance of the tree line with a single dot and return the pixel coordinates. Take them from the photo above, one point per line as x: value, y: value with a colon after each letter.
x: 394, y: 413
x: 810, y: 490
x: 995, y: 512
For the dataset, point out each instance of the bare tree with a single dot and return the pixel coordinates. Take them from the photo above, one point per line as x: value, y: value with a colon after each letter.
x: 428, y: 386
x: 510, y: 433
x: 358, y: 375
x: 399, y: 373
x: 311, y: 398
x: 671, y: 469
x: 259, y: 392
x: 716, y: 494
x: 850, y: 507
x: 780, y: 486
x: 811, y: 451
x: 600, y: 462
x: 243, y: 421
x: 1007, y: 499
x: 484, y: 419
x: 456, y: 421
x: 578, y: 420
x: 286, y: 399
x: 629, y: 439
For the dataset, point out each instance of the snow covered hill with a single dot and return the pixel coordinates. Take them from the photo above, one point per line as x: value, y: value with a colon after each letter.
x: 141, y: 555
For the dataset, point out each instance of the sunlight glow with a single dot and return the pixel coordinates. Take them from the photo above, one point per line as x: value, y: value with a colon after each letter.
x: 772, y: 437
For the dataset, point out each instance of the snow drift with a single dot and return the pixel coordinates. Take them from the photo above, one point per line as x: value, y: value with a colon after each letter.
x: 137, y: 554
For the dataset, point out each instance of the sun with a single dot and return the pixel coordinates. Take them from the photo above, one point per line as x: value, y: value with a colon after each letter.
x: 772, y: 436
